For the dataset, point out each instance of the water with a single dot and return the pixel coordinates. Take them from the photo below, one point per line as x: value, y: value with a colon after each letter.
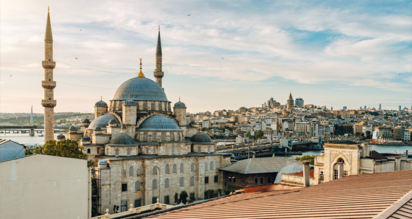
x: 25, y: 138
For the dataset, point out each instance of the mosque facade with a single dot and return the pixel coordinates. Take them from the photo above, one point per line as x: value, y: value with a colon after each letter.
x: 145, y: 148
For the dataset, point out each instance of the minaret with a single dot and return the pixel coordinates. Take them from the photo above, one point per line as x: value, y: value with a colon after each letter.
x: 158, y: 74
x: 48, y: 84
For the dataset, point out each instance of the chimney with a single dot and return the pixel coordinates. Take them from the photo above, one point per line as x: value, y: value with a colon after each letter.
x: 397, y: 163
x: 306, y: 176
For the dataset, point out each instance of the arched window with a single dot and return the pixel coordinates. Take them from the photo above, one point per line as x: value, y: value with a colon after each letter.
x: 144, y: 106
x: 128, y: 152
x: 107, y: 151
x: 145, y: 137
x: 154, y: 137
x: 154, y: 150
x: 178, y: 150
x: 147, y: 150
x: 192, y: 168
x: 167, y: 169
x: 116, y: 151
x: 205, y: 167
x: 131, y: 171
x: 137, y: 185
x: 152, y: 106
x: 211, y: 165
x: 163, y: 136
x: 154, y: 184
x: 123, y: 173
x: 199, y: 149
x: 181, y: 168
x: 192, y: 181
x: 173, y: 149
x: 181, y: 182
x: 208, y: 149
x: 217, y: 164
x: 166, y: 183
x: 174, y: 168
x: 167, y: 151
x: 154, y: 171
x: 138, y: 171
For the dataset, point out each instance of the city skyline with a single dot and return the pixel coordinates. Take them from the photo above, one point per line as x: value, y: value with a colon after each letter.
x: 223, y: 59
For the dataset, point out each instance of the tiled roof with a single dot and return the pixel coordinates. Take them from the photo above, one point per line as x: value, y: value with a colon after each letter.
x: 260, y: 165
x: 356, y: 196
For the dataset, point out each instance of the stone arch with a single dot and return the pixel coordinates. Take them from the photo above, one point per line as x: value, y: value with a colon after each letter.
x: 346, y: 164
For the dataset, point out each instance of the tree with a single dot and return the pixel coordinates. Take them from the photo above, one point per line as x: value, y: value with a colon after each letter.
x: 183, y: 197
x: 339, y: 117
x: 310, y: 158
x: 220, y: 191
x: 259, y: 134
x: 356, y: 112
x: 368, y: 135
x: 176, y: 198
x: 247, y: 135
x: 357, y: 134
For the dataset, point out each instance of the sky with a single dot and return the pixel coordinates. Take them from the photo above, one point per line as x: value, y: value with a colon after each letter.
x: 216, y: 54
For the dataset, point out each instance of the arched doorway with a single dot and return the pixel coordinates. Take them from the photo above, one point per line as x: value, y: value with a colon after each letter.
x: 338, y: 169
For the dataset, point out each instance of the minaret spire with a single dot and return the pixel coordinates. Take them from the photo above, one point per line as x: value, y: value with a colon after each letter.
x: 140, y: 75
x: 158, y: 73
x: 48, y: 84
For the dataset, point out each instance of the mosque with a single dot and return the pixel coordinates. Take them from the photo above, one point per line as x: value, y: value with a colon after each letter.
x: 145, y: 148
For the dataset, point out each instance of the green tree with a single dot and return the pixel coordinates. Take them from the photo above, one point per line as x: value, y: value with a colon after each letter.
x: 368, y: 135
x: 63, y: 148
x: 259, y: 134
x: 357, y: 134
x: 183, y: 197
x: 310, y: 158
x: 220, y: 191
x: 247, y: 135
x: 176, y: 198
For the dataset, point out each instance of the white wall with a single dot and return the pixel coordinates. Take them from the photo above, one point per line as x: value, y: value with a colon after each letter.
x: 43, y: 186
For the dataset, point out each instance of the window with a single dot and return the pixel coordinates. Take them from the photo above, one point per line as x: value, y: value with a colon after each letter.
x: 234, y: 180
x: 166, y: 183
x: 321, y: 175
x: 98, y: 150
x: 154, y: 136
x: 217, y: 164
x: 131, y: 171
x: 144, y: 106
x: 167, y: 151
x: 192, y: 168
x: 173, y: 149
x: 167, y: 169
x: 88, y: 150
x: 256, y: 180
x: 192, y: 196
x: 152, y: 106
x: 336, y: 174
x: 268, y: 179
x: 137, y: 185
x: 123, y: 173
x: 124, y: 187
x: 208, y: 149
x: 206, y: 180
x: 154, y: 171
x: 230, y: 179
x: 128, y: 152
x: 181, y: 168
x: 211, y: 165
x: 172, y: 137
x: 137, y: 203
x: 167, y: 200
x: 192, y: 181
x: 216, y: 178
x: 199, y: 149
x: 116, y: 151
x: 178, y: 150
x: 154, y: 150
x: 138, y: 171
x: 123, y: 206
x: 205, y: 167
x: 147, y: 150
x: 261, y: 180
x: 154, y: 200
x: 154, y: 184
x: 145, y: 137
x: 181, y: 182
x: 174, y: 168
x: 345, y: 173
x: 163, y: 136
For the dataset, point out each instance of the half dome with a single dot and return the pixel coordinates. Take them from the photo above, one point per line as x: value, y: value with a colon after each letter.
x: 159, y: 123
x: 140, y: 88
x: 123, y: 139
x: 102, y: 121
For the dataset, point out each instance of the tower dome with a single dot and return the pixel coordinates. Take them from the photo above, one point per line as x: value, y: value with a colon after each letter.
x: 140, y: 88
x: 100, y: 103
x: 180, y: 105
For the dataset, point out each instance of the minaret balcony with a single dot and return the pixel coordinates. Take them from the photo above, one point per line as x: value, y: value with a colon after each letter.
x: 48, y: 103
x: 48, y: 84
x: 48, y: 64
x: 158, y: 74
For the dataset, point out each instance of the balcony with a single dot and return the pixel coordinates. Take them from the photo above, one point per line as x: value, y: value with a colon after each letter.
x: 48, y: 64
x: 48, y: 84
x: 48, y: 103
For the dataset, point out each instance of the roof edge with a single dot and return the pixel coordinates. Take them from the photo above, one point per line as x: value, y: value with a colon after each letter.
x: 394, y: 207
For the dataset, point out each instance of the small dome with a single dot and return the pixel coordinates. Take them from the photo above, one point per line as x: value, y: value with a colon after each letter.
x: 129, y: 103
x: 122, y: 138
x: 102, y: 121
x: 180, y: 105
x: 97, y: 129
x: 159, y: 123
x: 113, y: 121
x: 86, y: 138
x: 102, y: 162
x: 72, y: 128
x: 101, y: 103
x: 201, y: 138
x: 60, y: 137
x: 86, y: 121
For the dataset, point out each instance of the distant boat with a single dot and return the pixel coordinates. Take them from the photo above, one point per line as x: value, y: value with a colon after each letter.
x: 41, y: 135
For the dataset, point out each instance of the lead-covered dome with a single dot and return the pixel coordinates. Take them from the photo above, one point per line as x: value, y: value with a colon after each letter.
x: 102, y: 121
x: 140, y: 88
x: 100, y: 103
x: 158, y: 123
x: 180, y: 105
x: 123, y: 139
x: 201, y: 138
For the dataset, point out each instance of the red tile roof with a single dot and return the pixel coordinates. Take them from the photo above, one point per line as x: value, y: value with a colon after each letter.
x: 356, y: 196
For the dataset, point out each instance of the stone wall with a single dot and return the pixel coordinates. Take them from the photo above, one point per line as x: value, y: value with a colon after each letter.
x: 296, y: 180
x: 244, y: 180
x: 129, y: 115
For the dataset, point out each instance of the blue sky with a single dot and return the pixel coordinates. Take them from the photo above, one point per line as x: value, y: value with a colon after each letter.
x: 335, y: 53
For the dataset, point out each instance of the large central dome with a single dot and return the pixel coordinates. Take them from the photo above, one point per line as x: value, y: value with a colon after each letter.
x: 140, y: 88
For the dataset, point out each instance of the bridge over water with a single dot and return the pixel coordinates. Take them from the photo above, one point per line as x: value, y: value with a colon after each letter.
x: 31, y: 129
